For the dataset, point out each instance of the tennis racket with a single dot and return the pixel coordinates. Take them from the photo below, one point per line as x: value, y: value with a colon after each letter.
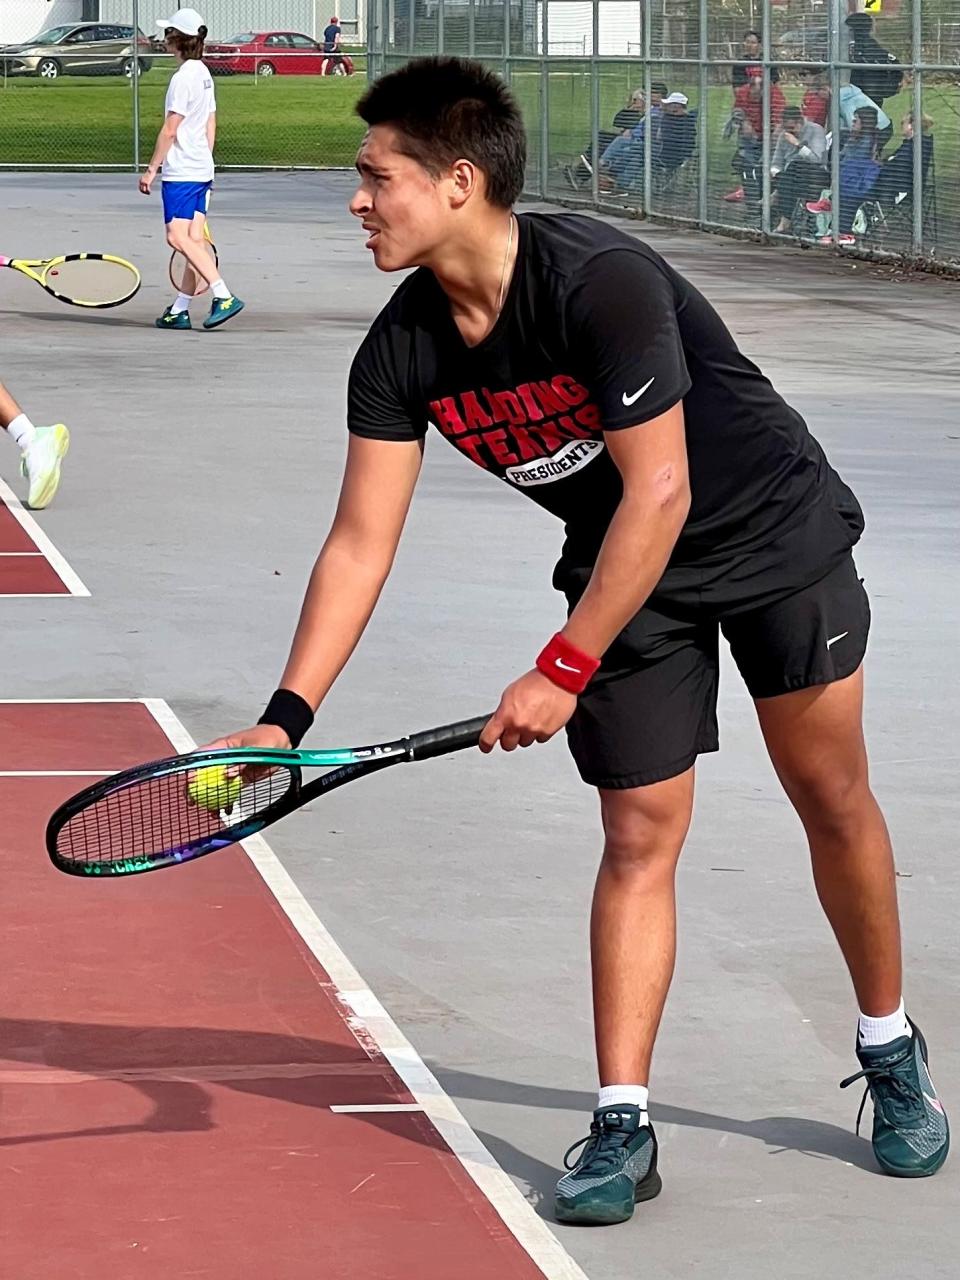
x: 81, y: 279
x: 146, y: 818
x: 183, y: 277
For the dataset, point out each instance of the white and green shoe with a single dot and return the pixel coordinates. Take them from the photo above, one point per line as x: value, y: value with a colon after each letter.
x: 40, y: 464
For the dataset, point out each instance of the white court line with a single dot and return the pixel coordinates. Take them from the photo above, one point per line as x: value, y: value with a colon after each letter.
x: 362, y: 1108
x: 26, y: 521
x: 369, y: 1016
x: 19, y: 555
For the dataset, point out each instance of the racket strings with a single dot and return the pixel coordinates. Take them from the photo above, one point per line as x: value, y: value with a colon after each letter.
x: 157, y: 818
x: 95, y: 281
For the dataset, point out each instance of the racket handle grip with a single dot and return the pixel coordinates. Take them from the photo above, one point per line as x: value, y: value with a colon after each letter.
x: 449, y: 737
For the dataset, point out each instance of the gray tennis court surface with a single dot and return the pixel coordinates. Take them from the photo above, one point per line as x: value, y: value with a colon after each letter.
x: 201, y: 480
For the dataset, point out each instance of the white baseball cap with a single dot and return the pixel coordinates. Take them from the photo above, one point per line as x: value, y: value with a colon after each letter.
x: 680, y: 99
x: 187, y: 21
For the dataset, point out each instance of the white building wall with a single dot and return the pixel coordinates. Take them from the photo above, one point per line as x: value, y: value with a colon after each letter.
x: 21, y: 19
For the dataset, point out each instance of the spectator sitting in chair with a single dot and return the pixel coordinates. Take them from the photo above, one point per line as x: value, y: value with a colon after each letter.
x: 678, y: 134
x: 852, y: 99
x: 747, y: 118
x: 859, y: 170
x: 622, y: 162
x: 895, y: 181
x: 799, y: 163
x: 615, y: 140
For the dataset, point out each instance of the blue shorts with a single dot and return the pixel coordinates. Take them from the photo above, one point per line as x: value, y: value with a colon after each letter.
x: 184, y: 199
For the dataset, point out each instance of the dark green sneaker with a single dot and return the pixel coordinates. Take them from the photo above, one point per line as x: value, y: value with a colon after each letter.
x: 221, y: 309
x: 911, y: 1136
x: 173, y: 320
x: 616, y: 1170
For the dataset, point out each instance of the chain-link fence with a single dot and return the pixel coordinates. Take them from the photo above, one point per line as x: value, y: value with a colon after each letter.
x: 685, y: 109
x: 82, y: 82
x: 800, y: 119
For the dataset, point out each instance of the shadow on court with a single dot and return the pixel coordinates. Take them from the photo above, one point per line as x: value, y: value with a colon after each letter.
x: 131, y: 1055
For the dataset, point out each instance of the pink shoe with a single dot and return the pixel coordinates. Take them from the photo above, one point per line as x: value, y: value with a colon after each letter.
x: 848, y: 239
x: 732, y: 197
x: 822, y: 205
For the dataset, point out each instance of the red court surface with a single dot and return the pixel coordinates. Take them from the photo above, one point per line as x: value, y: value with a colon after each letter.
x: 185, y: 1091
x: 29, y: 563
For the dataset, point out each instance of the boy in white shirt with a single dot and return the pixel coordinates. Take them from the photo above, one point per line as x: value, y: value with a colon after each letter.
x: 185, y: 150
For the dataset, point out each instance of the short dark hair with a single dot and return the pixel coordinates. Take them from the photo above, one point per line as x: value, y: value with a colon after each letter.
x: 448, y: 109
x: 750, y: 32
x: 868, y: 117
x: 657, y: 86
x: 187, y: 46
x: 792, y: 113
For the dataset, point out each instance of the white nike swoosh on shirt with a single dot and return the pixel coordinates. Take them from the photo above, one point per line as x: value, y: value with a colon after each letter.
x: 629, y: 400
x: 564, y: 667
x: 834, y: 639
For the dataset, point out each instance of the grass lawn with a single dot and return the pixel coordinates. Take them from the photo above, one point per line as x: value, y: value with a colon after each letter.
x: 82, y: 120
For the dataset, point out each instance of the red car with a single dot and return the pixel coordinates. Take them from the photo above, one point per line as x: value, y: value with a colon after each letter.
x: 267, y: 53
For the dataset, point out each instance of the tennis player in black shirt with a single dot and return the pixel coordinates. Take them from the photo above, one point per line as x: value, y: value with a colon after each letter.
x: 572, y: 363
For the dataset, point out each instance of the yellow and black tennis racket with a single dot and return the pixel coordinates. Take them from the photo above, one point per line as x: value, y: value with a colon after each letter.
x: 81, y: 279
x: 183, y: 277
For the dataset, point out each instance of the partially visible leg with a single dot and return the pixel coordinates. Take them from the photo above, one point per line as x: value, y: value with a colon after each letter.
x: 9, y: 409
x: 42, y: 450
x: 181, y: 236
x: 815, y: 740
x: 635, y: 736
x: 633, y: 922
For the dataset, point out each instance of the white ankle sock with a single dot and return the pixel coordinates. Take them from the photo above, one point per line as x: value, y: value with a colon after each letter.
x: 874, y: 1031
x: 180, y: 303
x: 22, y: 430
x: 631, y: 1095
x: 220, y: 290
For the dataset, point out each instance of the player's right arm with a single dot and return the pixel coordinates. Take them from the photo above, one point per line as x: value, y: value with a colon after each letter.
x: 354, y: 563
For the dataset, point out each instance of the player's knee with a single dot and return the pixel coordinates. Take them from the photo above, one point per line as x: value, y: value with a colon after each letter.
x: 176, y: 237
x: 831, y: 798
x: 644, y: 829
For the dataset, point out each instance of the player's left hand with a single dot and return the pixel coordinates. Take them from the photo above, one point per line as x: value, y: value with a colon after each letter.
x: 146, y: 182
x: 532, y: 709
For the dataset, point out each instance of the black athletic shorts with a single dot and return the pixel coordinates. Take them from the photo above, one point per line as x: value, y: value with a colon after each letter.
x: 651, y: 709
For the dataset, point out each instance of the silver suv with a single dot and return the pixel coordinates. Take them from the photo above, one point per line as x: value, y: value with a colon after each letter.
x: 77, y: 48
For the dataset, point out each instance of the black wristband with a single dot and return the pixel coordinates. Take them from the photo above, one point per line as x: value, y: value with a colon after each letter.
x: 289, y: 712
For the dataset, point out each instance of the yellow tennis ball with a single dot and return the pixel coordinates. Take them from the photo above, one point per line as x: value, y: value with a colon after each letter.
x: 213, y: 789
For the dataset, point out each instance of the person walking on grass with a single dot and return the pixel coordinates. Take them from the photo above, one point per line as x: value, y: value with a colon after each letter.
x: 41, y: 450
x: 184, y: 153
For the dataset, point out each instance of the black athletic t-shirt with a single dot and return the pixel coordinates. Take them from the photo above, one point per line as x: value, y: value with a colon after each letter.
x: 598, y: 333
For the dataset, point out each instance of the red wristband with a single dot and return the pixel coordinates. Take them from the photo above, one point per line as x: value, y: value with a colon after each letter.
x: 566, y: 665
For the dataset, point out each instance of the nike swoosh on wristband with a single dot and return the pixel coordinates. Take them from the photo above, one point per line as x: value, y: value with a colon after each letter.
x: 629, y: 400
x: 565, y: 667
